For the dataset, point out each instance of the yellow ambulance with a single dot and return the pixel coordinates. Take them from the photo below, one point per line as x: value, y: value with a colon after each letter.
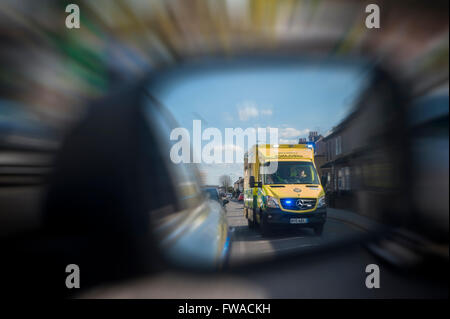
x: 282, y: 187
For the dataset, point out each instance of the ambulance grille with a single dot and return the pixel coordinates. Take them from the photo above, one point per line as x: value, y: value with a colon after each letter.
x: 298, y: 203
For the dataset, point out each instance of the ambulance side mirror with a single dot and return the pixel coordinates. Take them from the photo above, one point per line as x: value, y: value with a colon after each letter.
x: 252, y: 182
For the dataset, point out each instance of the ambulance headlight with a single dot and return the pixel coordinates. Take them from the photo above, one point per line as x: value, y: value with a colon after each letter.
x: 321, y: 203
x: 272, y: 202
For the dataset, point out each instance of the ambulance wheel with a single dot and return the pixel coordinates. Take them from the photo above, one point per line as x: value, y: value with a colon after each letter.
x: 251, y: 223
x: 264, y: 227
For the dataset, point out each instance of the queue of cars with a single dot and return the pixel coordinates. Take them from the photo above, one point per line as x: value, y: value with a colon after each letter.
x: 212, y: 193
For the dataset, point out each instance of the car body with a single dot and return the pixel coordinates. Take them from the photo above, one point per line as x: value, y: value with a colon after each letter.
x: 281, y: 187
x: 213, y: 194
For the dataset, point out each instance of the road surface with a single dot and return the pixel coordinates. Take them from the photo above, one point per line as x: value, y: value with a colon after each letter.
x: 247, y: 243
x: 340, y: 275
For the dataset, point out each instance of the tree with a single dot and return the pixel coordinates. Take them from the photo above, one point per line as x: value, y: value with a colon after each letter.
x: 225, y: 182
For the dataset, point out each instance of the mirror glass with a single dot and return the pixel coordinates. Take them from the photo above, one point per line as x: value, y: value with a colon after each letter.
x: 309, y: 133
x: 227, y: 135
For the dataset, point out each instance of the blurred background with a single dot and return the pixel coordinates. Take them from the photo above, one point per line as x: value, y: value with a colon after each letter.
x: 50, y: 74
x: 64, y: 68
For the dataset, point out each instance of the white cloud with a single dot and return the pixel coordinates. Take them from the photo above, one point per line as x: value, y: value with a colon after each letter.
x: 290, y: 132
x: 229, y: 147
x: 249, y: 109
x: 267, y: 112
x: 288, y: 141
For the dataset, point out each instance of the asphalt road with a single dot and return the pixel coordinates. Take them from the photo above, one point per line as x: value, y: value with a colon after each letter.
x: 247, y: 243
x: 339, y: 274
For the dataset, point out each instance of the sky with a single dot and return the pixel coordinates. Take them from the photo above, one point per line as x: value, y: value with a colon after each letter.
x: 296, y: 99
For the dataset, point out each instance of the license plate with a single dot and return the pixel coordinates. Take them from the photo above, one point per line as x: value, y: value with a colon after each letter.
x: 299, y: 220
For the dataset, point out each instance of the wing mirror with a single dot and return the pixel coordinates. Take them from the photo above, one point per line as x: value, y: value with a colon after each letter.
x: 252, y: 182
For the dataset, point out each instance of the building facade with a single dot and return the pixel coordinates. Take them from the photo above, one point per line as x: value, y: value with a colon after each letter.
x: 358, y: 159
x: 238, y: 186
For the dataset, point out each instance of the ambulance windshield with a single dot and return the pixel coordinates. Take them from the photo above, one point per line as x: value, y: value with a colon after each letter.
x: 293, y: 173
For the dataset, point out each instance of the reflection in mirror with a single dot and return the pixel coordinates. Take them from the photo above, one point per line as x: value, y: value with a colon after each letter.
x: 321, y: 126
x: 121, y: 141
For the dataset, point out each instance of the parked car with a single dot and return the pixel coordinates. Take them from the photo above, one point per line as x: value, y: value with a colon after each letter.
x: 213, y: 194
